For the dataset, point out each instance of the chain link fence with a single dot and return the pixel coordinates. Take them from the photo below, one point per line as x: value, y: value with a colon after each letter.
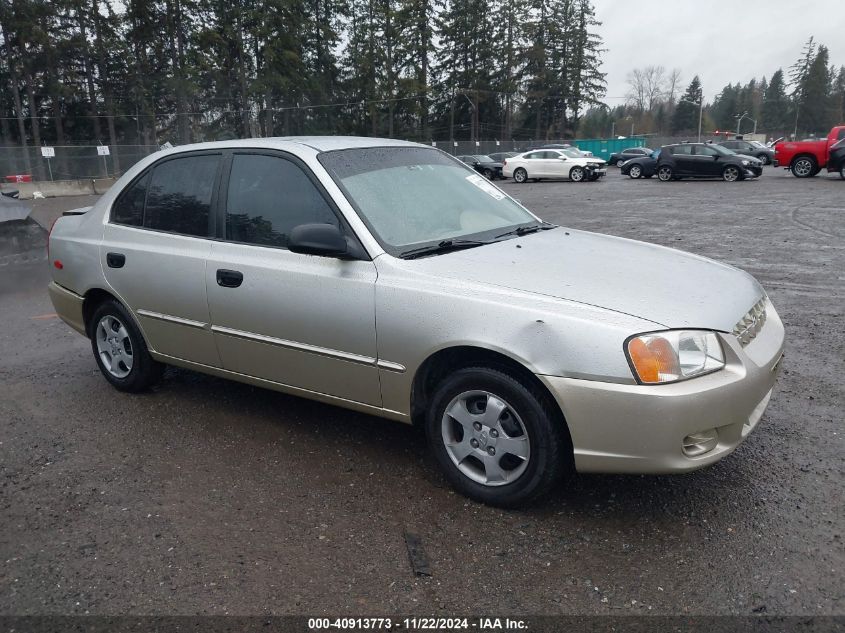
x: 75, y: 162
x: 68, y: 162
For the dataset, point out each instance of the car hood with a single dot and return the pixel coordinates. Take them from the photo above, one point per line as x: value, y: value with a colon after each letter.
x: 668, y: 287
x: 751, y: 158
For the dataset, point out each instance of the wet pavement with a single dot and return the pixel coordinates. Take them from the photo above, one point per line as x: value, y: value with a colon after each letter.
x: 211, y: 497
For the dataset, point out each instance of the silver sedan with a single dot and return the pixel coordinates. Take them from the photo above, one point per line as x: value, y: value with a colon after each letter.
x: 390, y: 278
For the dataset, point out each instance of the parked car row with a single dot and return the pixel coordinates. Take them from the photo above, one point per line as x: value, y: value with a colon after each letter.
x: 693, y: 160
x: 551, y: 162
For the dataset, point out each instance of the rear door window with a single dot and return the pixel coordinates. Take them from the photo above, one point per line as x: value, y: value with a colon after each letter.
x: 179, y: 195
x: 685, y: 150
x: 267, y: 197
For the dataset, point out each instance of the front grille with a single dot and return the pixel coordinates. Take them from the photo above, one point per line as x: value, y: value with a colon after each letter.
x: 749, y: 326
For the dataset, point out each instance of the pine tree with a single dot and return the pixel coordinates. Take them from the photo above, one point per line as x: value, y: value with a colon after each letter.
x: 686, y: 114
x: 775, y: 110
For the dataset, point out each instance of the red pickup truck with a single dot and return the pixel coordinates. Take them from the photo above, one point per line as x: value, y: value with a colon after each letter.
x: 807, y: 158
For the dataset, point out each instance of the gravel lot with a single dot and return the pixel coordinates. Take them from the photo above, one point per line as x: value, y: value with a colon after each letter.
x: 210, y: 497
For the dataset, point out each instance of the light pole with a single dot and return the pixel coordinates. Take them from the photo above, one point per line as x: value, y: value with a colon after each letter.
x: 742, y: 116
x: 700, y: 105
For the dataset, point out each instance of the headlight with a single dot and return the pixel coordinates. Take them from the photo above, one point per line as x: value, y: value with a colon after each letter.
x: 745, y: 162
x: 661, y: 357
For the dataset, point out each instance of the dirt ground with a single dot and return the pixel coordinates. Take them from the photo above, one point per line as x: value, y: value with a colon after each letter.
x: 210, y: 497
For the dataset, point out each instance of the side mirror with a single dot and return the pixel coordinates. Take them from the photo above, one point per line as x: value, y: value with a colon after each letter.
x: 317, y: 239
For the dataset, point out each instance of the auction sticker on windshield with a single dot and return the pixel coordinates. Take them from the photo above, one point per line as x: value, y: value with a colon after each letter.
x: 485, y: 186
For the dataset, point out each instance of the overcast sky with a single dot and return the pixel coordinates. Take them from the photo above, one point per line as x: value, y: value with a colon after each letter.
x: 720, y: 43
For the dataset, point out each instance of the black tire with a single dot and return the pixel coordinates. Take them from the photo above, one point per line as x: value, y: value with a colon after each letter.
x: 520, y: 175
x: 550, y: 456
x: 577, y: 174
x: 612, y: 162
x: 803, y: 167
x: 635, y: 172
x: 488, y: 174
x: 145, y: 371
x: 764, y: 158
x: 665, y: 173
x: 842, y: 171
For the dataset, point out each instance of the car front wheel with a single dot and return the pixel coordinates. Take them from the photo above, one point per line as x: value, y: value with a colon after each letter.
x: 496, y: 438
x: 764, y: 158
x: 842, y: 171
x: 665, y: 173
x: 635, y: 171
x: 120, y: 350
x: 520, y: 175
x: 803, y: 167
x: 576, y: 174
x: 488, y: 174
x: 731, y: 174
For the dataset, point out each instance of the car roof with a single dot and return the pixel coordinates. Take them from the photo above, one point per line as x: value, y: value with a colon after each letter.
x: 318, y: 143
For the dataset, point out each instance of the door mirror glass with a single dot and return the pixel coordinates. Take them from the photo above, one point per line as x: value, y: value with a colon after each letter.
x: 317, y: 239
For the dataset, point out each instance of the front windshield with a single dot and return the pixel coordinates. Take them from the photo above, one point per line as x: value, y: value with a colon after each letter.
x: 412, y: 197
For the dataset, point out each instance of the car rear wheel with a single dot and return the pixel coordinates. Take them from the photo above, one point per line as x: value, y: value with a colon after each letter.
x: 664, y: 173
x: 576, y: 174
x: 731, y: 174
x: 803, y: 167
x: 635, y: 172
x: 496, y: 438
x: 520, y: 175
x: 120, y: 350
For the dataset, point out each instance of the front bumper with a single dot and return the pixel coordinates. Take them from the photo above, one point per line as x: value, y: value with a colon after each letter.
x: 628, y: 428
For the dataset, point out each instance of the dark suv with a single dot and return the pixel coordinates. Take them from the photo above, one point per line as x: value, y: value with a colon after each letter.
x: 765, y: 154
x: 705, y: 160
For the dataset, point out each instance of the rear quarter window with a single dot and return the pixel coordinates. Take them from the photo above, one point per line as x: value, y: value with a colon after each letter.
x: 129, y: 207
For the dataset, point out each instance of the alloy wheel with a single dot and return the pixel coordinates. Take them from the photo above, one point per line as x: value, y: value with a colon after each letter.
x: 576, y: 175
x: 664, y: 174
x: 520, y: 175
x: 803, y: 167
x: 730, y: 174
x: 114, y: 346
x: 635, y: 171
x: 485, y: 438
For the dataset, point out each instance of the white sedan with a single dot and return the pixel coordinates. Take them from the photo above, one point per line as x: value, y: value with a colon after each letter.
x: 566, y: 163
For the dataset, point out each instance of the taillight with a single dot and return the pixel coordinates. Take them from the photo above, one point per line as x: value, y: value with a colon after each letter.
x: 505, y: 163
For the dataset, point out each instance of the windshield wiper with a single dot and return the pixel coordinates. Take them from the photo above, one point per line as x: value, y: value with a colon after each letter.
x: 443, y: 247
x: 524, y: 230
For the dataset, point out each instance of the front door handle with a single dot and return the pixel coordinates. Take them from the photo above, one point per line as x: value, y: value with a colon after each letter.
x: 115, y: 260
x: 229, y: 278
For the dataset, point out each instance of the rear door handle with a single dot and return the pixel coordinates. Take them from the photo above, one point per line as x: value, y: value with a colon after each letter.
x: 229, y: 278
x: 115, y: 260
